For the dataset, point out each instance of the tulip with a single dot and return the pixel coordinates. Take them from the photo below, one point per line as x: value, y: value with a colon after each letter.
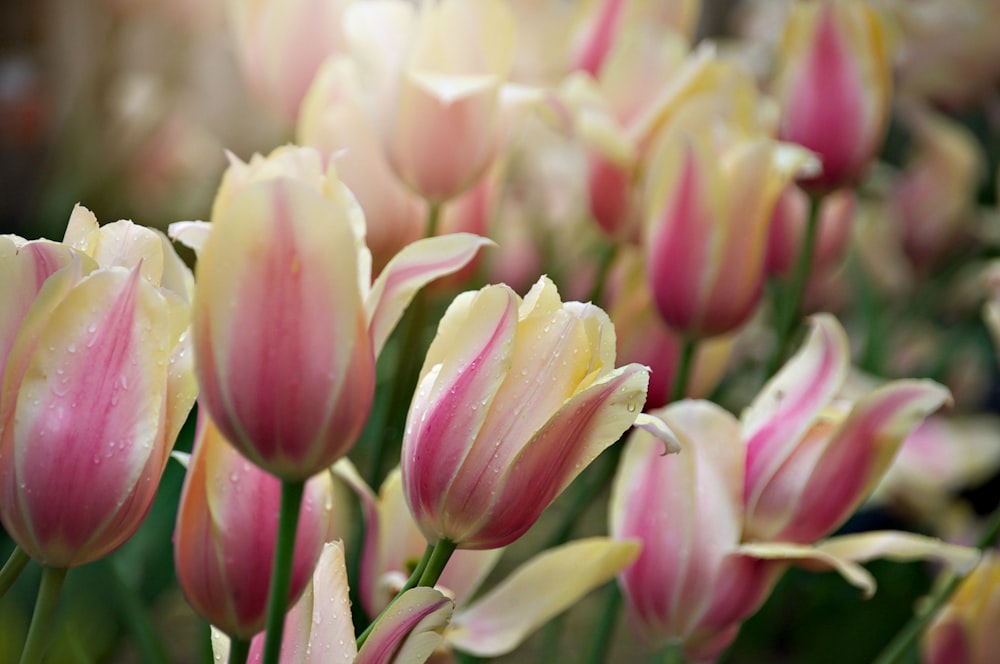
x: 281, y: 44
x: 97, y: 381
x: 834, y: 86
x: 424, y: 95
x: 514, y: 399
x: 813, y: 458
x: 227, y: 524
x: 319, y: 627
x: 964, y: 632
x: 707, y: 217
x: 287, y: 322
x: 690, y: 585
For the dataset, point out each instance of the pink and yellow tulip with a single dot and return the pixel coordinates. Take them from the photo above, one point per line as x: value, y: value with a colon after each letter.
x: 812, y: 457
x: 436, y: 76
x: 227, y: 524
x: 708, y: 213
x: 515, y: 398
x: 690, y: 584
x: 835, y: 85
x: 97, y: 381
x: 287, y: 322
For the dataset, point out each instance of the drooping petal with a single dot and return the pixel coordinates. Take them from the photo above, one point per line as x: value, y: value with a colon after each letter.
x: 411, y: 269
x: 538, y: 590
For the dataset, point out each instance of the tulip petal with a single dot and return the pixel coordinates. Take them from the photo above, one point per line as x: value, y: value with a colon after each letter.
x: 776, y: 421
x: 92, y: 428
x: 410, y: 630
x: 540, y: 589
x: 327, y: 613
x: 856, y: 457
x: 410, y: 270
x: 812, y: 558
x: 574, y: 436
x: 192, y: 234
x: 901, y: 547
x: 371, y: 563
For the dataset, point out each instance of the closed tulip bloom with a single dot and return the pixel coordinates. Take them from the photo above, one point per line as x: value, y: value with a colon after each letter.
x: 689, y: 584
x: 287, y: 322
x: 97, y: 381
x: 436, y: 76
x: 227, y: 523
x: 835, y: 85
x: 813, y: 458
x: 964, y: 632
x: 515, y: 398
x: 708, y: 213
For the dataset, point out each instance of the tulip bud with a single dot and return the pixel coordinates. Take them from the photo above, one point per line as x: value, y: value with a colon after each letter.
x: 227, y: 524
x: 813, y: 458
x: 707, y: 217
x: 788, y: 227
x: 834, y: 86
x: 515, y: 398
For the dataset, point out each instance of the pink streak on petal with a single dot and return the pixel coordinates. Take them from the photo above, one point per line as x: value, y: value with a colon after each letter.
x: 825, y: 112
x: 600, y: 40
x: 678, y: 249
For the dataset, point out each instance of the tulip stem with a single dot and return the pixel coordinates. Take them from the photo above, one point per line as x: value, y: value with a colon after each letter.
x: 606, y: 627
x: 45, y: 611
x: 433, y: 219
x: 281, y: 572
x: 790, y: 299
x: 672, y: 654
x: 410, y: 583
x: 239, y: 650
x: 906, y: 637
x: 12, y: 569
x: 683, y: 374
x: 435, y: 565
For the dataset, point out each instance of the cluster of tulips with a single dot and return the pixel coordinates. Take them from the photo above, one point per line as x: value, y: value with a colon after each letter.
x: 417, y: 125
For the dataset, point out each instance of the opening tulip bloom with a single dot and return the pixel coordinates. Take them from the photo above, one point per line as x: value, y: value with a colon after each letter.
x: 813, y: 458
x: 515, y: 398
x: 287, y: 323
x: 97, y: 381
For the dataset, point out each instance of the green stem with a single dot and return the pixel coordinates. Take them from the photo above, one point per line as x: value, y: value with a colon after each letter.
x: 435, y: 565
x: 410, y: 583
x: 672, y: 654
x: 688, y: 348
x: 45, y: 611
x: 607, y: 259
x: 433, y: 219
x: 132, y: 612
x: 281, y: 572
x: 601, y: 644
x: 787, y: 311
x: 906, y: 637
x: 239, y: 650
x: 12, y: 569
